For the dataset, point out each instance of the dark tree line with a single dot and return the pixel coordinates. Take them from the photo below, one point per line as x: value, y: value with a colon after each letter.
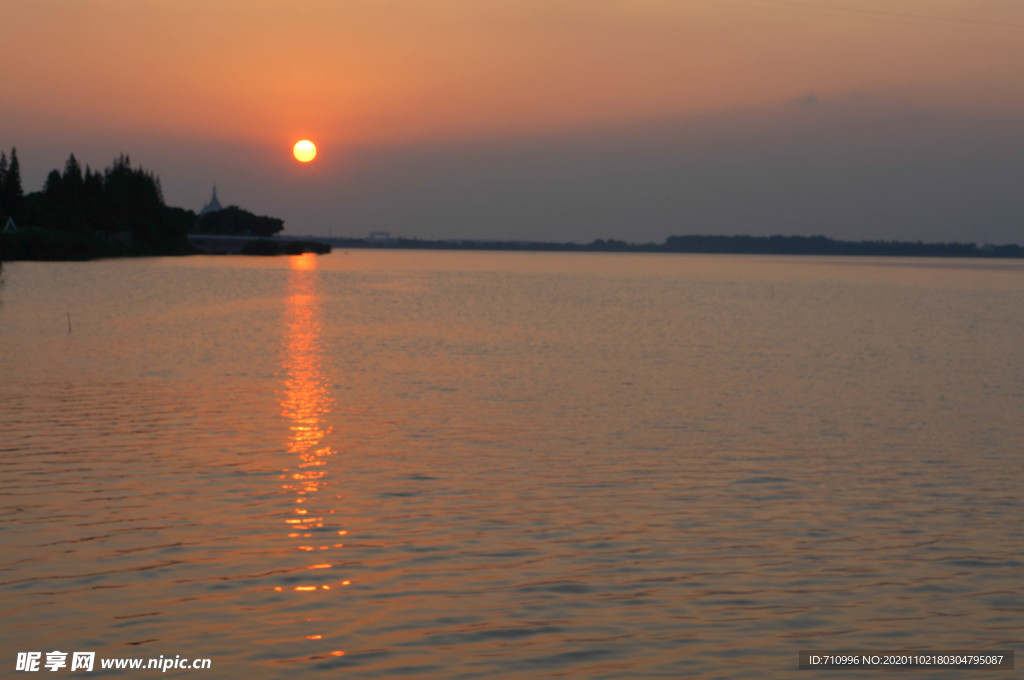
x: 234, y: 221
x: 122, y: 203
x: 822, y: 245
x: 84, y: 214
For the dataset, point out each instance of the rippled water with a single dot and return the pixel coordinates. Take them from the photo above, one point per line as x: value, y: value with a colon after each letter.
x: 470, y: 465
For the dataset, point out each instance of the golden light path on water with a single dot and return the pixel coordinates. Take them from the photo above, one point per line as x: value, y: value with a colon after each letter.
x: 305, y: 403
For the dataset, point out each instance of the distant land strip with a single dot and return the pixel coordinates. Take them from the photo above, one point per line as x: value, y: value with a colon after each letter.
x: 706, y: 244
x: 121, y: 212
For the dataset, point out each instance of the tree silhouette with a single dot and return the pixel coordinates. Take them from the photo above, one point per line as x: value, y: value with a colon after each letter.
x: 53, y: 188
x: 11, y: 197
x: 73, y: 179
x: 3, y: 182
x: 94, y: 200
x: 65, y: 206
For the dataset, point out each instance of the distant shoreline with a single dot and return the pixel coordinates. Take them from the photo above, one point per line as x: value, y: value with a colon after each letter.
x: 85, y: 248
x: 706, y: 245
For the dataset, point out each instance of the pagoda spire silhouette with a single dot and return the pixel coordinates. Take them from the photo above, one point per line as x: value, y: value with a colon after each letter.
x: 214, y: 205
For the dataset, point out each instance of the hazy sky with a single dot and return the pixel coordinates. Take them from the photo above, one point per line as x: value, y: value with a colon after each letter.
x: 541, y: 119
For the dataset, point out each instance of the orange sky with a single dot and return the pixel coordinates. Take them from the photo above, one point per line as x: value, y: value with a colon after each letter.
x: 356, y: 72
x: 259, y: 74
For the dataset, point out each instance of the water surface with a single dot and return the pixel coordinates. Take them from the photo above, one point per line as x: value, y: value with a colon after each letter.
x: 466, y: 465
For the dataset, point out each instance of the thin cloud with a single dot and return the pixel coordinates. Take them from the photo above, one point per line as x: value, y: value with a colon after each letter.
x: 807, y: 101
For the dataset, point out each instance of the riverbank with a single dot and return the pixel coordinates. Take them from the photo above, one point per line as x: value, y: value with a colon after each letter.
x: 39, y: 244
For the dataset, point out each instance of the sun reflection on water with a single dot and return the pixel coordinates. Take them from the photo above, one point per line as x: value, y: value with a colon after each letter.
x: 305, y: 402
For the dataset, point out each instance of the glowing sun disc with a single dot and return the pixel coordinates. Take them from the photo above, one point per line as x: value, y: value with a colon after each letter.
x: 304, y: 151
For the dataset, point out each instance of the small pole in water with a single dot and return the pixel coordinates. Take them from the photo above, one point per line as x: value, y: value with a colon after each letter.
x: 69, y: 323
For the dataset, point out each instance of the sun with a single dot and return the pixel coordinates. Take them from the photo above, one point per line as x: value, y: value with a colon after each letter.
x: 304, y: 151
